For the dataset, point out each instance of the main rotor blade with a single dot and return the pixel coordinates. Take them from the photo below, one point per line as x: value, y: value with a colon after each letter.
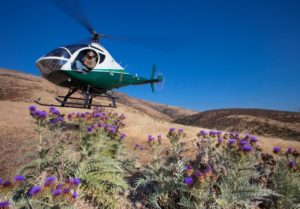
x: 74, y: 9
x: 161, y: 43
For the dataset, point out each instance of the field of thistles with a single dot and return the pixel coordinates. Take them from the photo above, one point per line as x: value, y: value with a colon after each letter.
x: 83, y: 159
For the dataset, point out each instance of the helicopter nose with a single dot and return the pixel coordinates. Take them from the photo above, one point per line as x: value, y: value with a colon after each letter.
x: 48, y: 66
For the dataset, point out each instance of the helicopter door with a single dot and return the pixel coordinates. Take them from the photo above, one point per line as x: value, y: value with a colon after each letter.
x: 86, y: 61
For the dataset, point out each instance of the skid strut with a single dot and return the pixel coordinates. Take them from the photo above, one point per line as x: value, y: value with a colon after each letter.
x: 86, y: 101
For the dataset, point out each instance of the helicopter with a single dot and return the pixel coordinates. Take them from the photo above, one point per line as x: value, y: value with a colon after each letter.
x: 66, y: 67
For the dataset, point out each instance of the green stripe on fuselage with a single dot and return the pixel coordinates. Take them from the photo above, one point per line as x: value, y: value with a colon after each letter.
x: 106, y: 78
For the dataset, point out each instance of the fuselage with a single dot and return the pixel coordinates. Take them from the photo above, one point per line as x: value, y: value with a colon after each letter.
x: 59, y: 67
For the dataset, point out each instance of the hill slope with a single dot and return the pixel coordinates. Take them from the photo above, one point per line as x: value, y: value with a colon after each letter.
x: 254, y: 121
x: 18, y: 139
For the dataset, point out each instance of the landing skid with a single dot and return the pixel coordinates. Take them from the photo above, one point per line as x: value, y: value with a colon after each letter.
x: 85, y: 102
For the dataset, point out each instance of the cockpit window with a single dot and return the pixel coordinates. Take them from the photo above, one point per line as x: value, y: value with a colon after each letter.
x: 74, y: 48
x: 60, y: 52
x: 101, y: 58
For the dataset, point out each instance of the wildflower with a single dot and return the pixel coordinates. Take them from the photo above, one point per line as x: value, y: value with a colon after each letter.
x: 276, y: 150
x: 188, y: 181
x: 99, y: 125
x: 20, y: 178
x: 97, y: 115
x: 1, y: 181
x: 76, y: 181
x: 4, y: 204
x: 112, y: 130
x: 220, y: 140
x: 75, y: 195
x: 59, y: 186
x: 66, y: 190
x: 49, y: 180
x: 122, y: 117
x: 231, y: 142
x: 69, y: 116
x: 150, y: 138
x: 171, y: 130
x: 32, y: 108
x: 60, y: 119
x: 56, y: 192
x: 89, y: 129
x: 292, y: 164
x: 6, y: 184
x: 199, y: 175
x: 243, y: 142
x: 253, y: 139
x: 189, y: 170
x: 123, y: 135
x: 180, y: 131
x: 247, y: 148
x: 34, y: 190
x: 136, y: 146
x: 289, y: 150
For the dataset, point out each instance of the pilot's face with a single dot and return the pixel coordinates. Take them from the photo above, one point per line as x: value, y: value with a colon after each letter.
x: 91, y: 55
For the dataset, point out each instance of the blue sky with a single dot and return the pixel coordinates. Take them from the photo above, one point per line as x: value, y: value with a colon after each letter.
x: 222, y: 53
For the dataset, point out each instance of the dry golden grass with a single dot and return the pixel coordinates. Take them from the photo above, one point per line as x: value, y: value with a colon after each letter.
x: 17, y: 136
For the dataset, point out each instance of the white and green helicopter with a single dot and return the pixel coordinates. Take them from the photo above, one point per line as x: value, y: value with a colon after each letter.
x: 66, y: 67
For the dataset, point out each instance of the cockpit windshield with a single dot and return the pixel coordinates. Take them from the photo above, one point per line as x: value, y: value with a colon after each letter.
x: 60, y: 52
x: 74, y: 48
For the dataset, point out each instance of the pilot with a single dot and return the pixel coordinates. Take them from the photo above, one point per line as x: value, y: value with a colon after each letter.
x: 90, y: 60
x: 87, y: 63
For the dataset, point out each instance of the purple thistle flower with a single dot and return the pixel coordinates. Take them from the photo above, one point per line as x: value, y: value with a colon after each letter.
x: 4, y: 204
x: 56, y: 192
x: 142, y: 148
x: 188, y: 167
x: 1, y: 181
x: 60, y: 119
x: 276, y: 150
x: 97, y: 115
x: 20, y: 178
x: 292, y: 164
x: 69, y: 116
x: 112, y: 130
x: 49, y: 180
x: 99, y: 125
x: 59, y: 186
x: 172, y: 130
x: 34, y: 190
x: 220, y: 140
x: 76, y: 181
x: 66, y: 190
x: 32, y: 108
x: 188, y: 181
x: 89, y: 129
x: 289, y: 150
x: 75, y: 195
x: 6, y: 184
x: 180, y: 131
x: 247, y: 148
x: 150, y: 138
x: 122, y: 117
x: 243, y: 142
x: 231, y: 141
x: 253, y: 139
x: 43, y: 114
x: 123, y: 135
